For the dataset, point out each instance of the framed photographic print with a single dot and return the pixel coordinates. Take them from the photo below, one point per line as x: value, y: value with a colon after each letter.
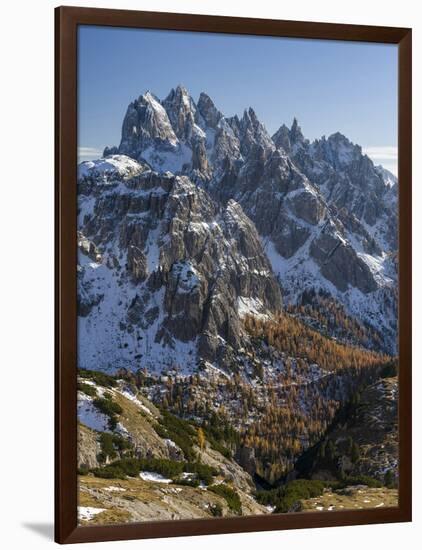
x: 233, y: 274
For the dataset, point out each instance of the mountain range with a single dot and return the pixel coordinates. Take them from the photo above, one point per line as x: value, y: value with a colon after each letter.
x: 196, y: 220
x: 237, y: 318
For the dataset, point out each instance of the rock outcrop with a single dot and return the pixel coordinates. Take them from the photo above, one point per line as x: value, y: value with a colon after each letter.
x: 366, y: 443
x: 174, y: 266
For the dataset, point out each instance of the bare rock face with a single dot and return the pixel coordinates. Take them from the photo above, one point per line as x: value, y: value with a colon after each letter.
x: 180, y: 264
x: 199, y: 157
x: 291, y: 189
x: 181, y: 110
x: 282, y: 139
x: 347, y: 179
x: 340, y: 264
x: 246, y: 458
x: 367, y: 443
x: 88, y: 448
x: 211, y: 116
x: 278, y: 198
x: 308, y: 207
x: 146, y: 123
x: 250, y: 132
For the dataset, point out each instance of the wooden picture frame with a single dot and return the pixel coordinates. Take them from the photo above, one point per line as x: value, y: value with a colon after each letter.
x: 67, y: 20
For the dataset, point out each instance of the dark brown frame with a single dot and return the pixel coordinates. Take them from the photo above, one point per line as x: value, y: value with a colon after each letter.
x: 66, y: 21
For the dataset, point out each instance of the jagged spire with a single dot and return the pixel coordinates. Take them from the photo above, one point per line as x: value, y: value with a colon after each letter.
x: 181, y: 110
x: 296, y: 132
x: 208, y: 110
x: 282, y: 138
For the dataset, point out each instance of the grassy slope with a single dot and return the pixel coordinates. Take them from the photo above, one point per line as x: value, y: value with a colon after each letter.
x: 354, y: 498
x: 143, y: 500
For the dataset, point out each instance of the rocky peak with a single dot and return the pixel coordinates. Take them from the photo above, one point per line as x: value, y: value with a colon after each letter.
x: 153, y: 119
x: 296, y: 135
x: 252, y: 133
x: 209, y: 112
x: 249, y: 121
x: 291, y: 140
x: 250, y: 116
x: 145, y: 123
x: 347, y: 178
x: 181, y: 110
x: 282, y: 138
x: 200, y: 164
x: 339, y: 151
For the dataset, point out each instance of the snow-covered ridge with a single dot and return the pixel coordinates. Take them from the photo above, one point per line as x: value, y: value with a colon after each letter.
x: 110, y: 169
x: 389, y: 178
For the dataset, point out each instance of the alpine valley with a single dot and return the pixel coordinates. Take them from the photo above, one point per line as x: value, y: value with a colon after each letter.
x: 237, y: 319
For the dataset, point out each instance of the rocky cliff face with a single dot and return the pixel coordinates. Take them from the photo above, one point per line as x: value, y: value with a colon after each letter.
x: 165, y: 272
x: 366, y: 443
x: 196, y: 218
x: 348, y: 180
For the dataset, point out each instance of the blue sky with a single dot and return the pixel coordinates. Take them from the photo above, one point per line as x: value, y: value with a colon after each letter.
x: 329, y: 86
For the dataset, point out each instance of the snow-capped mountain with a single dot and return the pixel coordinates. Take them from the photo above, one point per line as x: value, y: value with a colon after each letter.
x: 348, y: 180
x: 165, y: 272
x: 196, y: 219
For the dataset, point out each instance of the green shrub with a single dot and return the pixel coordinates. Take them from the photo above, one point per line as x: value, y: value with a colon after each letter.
x: 217, y: 446
x: 101, y: 457
x: 133, y: 466
x: 178, y: 430
x: 173, y: 469
x: 109, y: 472
x: 189, y: 482
x: 108, y: 407
x: 288, y: 496
x: 121, y: 443
x: 355, y: 453
x: 107, y: 447
x: 204, y: 472
x: 221, y: 434
x: 230, y: 496
x: 87, y: 389
x: 100, y: 378
x: 389, y: 479
x: 177, y: 425
x: 83, y: 470
x: 167, y: 468
x: 130, y: 466
x: 111, y: 444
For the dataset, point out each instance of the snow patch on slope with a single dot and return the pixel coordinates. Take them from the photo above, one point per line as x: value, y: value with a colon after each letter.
x: 89, y: 415
x: 168, y: 160
x: 251, y: 306
x: 108, y: 170
x: 154, y: 477
x: 89, y: 512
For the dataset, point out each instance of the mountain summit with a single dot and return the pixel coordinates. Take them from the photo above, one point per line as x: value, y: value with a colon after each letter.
x: 196, y: 219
